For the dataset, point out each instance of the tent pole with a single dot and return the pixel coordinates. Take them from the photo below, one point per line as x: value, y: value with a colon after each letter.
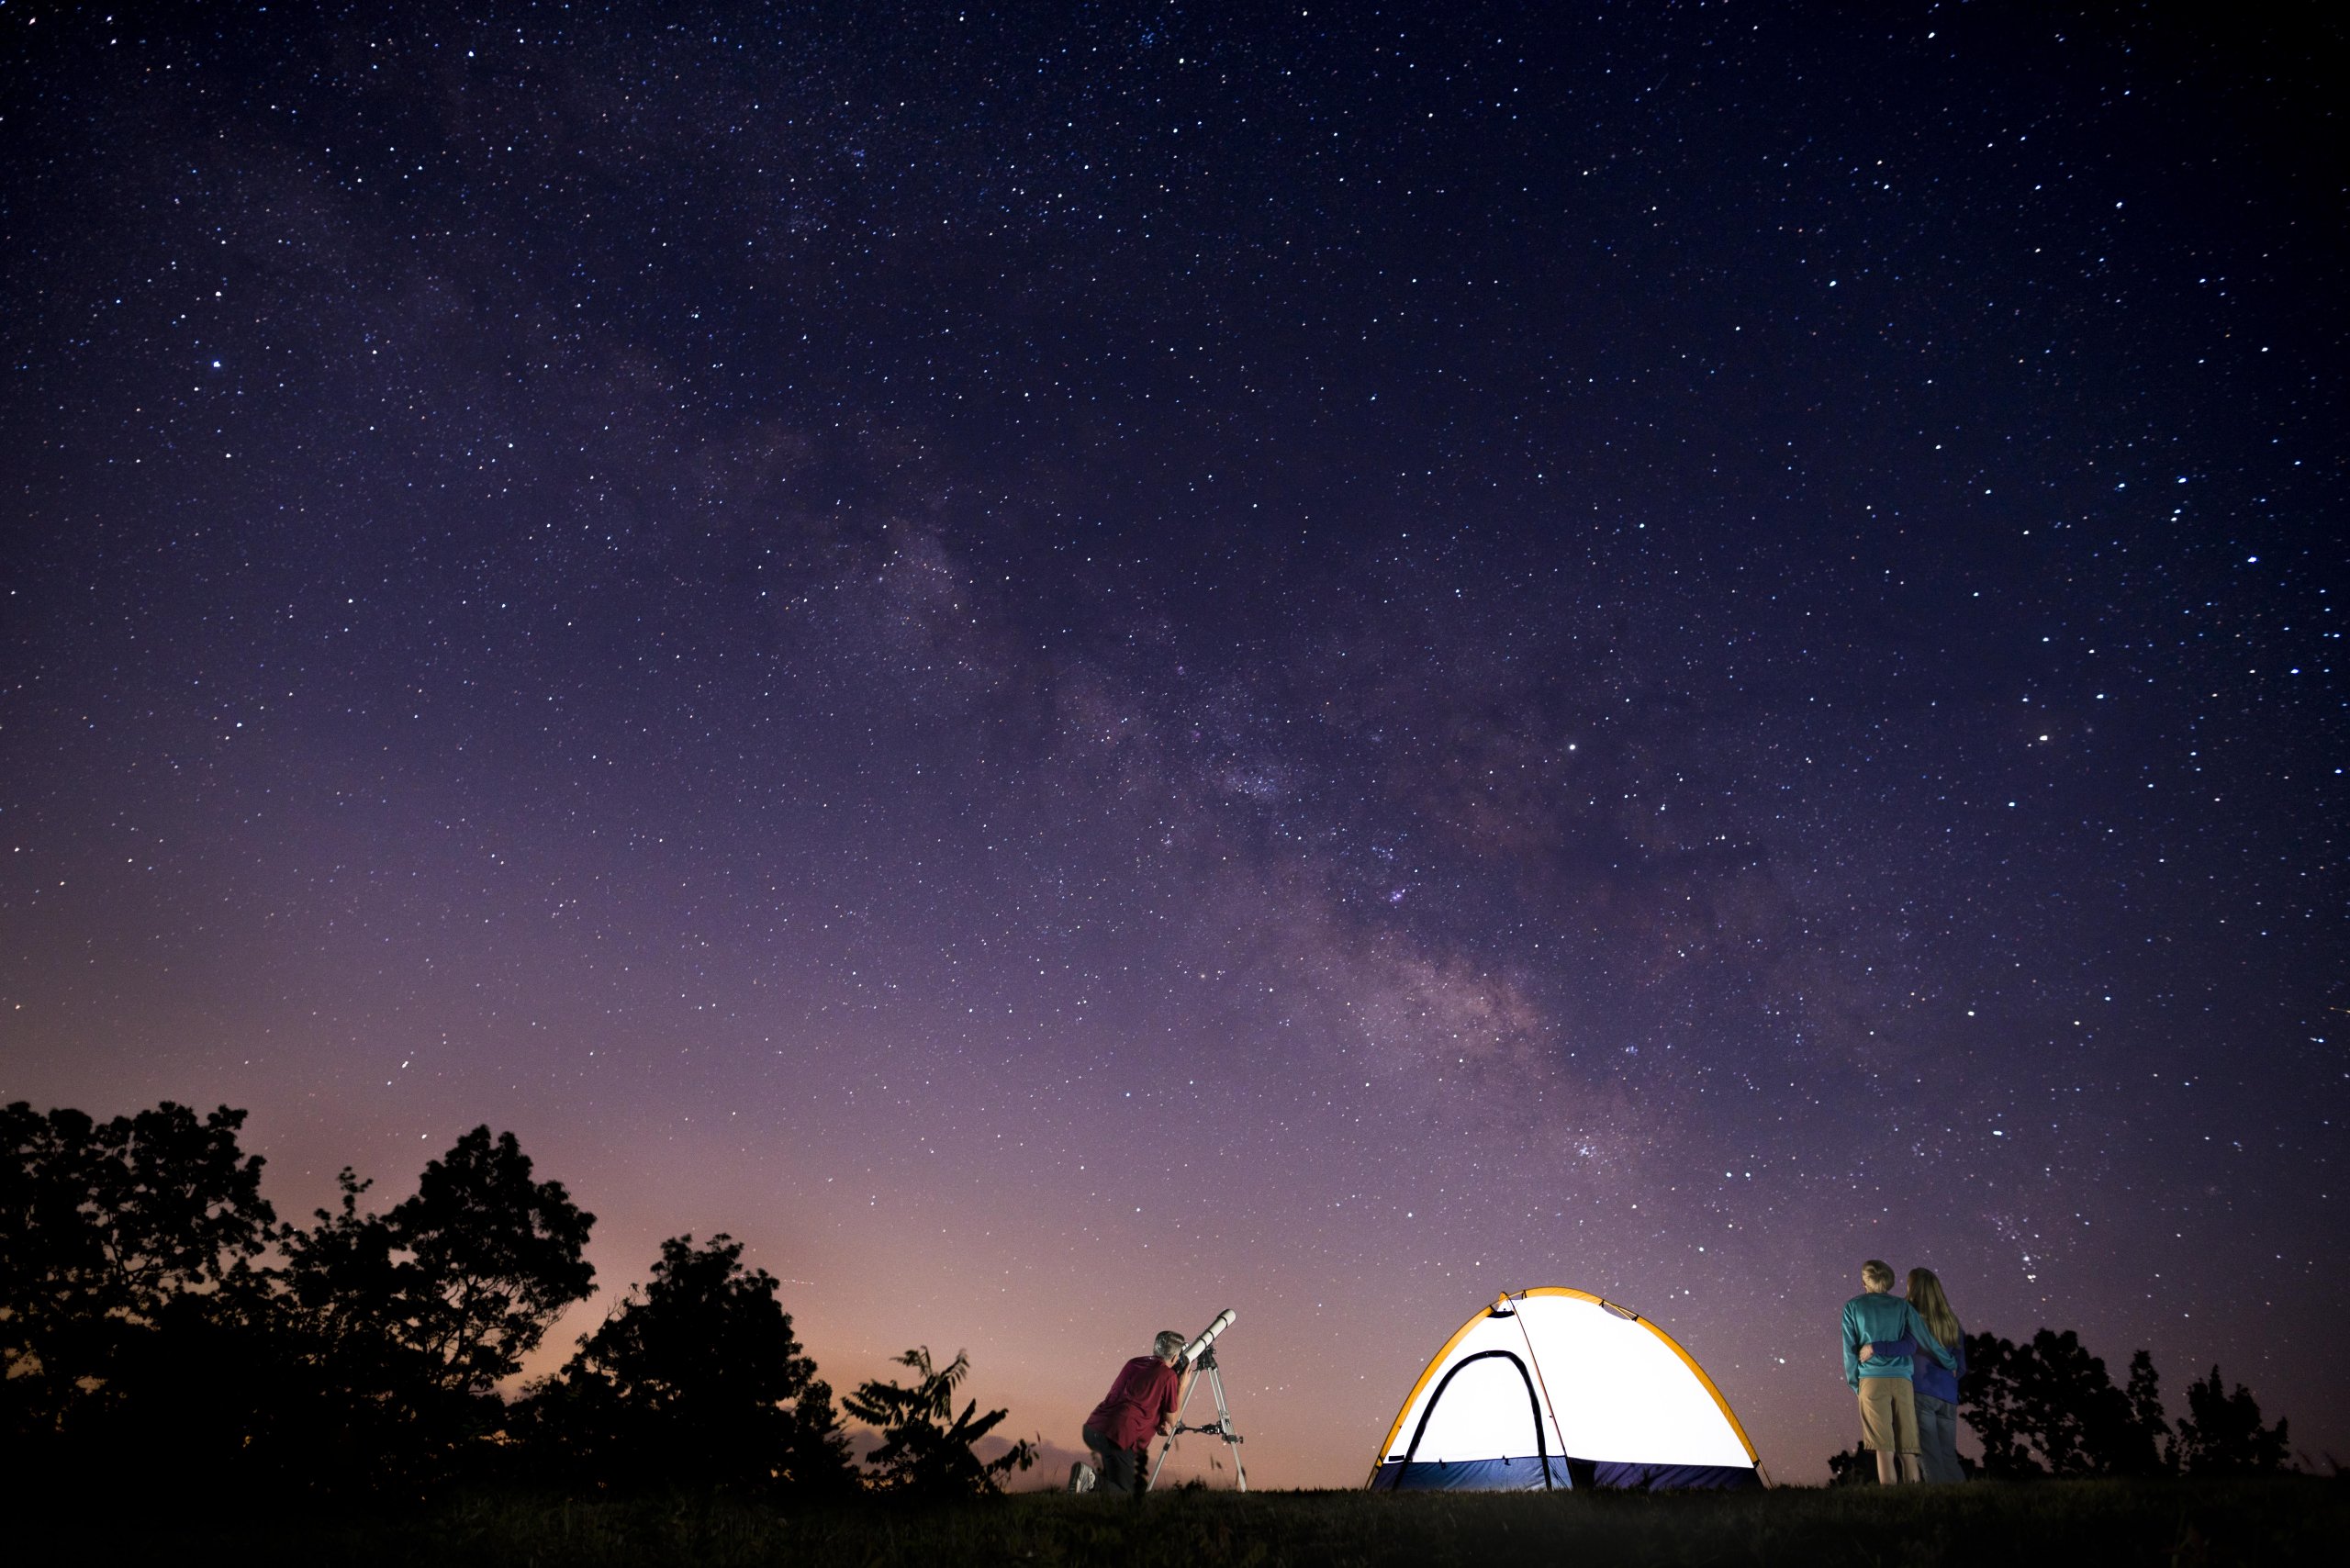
x: 1544, y: 1383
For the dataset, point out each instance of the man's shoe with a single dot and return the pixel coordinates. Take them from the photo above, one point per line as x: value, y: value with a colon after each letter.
x: 1080, y: 1477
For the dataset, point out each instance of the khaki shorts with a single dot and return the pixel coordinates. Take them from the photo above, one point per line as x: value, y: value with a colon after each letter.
x: 1888, y: 1415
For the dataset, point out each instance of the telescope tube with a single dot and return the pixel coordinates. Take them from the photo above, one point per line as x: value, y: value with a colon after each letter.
x: 1207, y: 1336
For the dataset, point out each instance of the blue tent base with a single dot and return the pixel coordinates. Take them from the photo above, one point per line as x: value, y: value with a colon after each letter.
x: 1473, y: 1476
x: 1532, y: 1474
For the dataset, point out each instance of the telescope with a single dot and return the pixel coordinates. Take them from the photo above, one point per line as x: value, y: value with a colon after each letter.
x: 1200, y: 1353
x: 1207, y: 1336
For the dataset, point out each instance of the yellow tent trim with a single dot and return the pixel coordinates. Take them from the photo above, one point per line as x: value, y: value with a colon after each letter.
x: 1671, y: 1344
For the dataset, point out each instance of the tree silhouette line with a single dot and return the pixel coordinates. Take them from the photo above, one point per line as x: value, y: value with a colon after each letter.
x: 160, y: 1330
x: 160, y: 1327
x: 2047, y: 1407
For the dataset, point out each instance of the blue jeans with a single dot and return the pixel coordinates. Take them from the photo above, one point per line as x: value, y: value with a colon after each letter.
x: 1938, y: 1438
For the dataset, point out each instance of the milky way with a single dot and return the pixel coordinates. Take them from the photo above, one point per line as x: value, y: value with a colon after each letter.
x: 1070, y: 668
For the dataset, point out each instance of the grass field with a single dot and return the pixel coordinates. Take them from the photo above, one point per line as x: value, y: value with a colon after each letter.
x: 2183, y: 1525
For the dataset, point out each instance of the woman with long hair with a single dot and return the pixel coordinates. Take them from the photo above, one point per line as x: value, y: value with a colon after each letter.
x: 1937, y: 1391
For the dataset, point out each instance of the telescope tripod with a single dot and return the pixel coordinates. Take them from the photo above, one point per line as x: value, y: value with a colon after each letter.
x: 1221, y: 1428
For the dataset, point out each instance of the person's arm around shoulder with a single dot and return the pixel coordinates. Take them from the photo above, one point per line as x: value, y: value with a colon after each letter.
x: 1926, y: 1340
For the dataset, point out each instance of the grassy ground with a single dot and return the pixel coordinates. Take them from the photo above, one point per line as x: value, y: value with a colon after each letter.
x: 2088, y: 1524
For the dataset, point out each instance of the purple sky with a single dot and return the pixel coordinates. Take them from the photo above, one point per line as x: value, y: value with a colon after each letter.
x: 1074, y: 668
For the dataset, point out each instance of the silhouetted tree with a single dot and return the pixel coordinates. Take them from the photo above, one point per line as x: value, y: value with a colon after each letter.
x: 698, y: 1380
x: 1854, y: 1466
x: 130, y: 1291
x: 459, y: 1281
x: 2222, y: 1434
x: 2048, y: 1408
x: 407, y: 1320
x: 2144, y: 1393
x: 343, y: 1282
x: 1990, y: 1404
x: 491, y: 1259
x: 925, y: 1449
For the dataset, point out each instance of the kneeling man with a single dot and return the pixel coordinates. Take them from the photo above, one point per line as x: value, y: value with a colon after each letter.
x: 1142, y: 1403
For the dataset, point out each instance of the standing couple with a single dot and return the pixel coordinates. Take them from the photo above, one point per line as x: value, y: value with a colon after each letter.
x: 1908, y: 1402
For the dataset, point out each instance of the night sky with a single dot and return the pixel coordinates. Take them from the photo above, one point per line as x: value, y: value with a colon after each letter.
x: 1074, y: 665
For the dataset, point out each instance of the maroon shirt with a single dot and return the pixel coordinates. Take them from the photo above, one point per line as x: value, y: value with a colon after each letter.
x: 1144, y: 1394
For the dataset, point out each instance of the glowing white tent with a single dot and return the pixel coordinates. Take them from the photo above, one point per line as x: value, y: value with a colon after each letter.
x: 1555, y: 1388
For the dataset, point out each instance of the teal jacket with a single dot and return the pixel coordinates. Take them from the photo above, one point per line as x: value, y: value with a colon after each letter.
x: 1879, y: 1318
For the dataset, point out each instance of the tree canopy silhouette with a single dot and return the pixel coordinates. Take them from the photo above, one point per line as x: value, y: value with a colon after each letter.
x: 2222, y: 1434
x: 127, y: 1251
x: 466, y: 1275
x: 405, y: 1321
x: 697, y: 1378
x: 2048, y: 1408
x: 926, y: 1450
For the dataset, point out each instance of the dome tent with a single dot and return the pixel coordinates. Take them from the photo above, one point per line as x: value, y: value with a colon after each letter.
x: 1552, y: 1388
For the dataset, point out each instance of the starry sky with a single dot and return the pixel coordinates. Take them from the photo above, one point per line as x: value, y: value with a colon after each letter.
x: 1074, y: 665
